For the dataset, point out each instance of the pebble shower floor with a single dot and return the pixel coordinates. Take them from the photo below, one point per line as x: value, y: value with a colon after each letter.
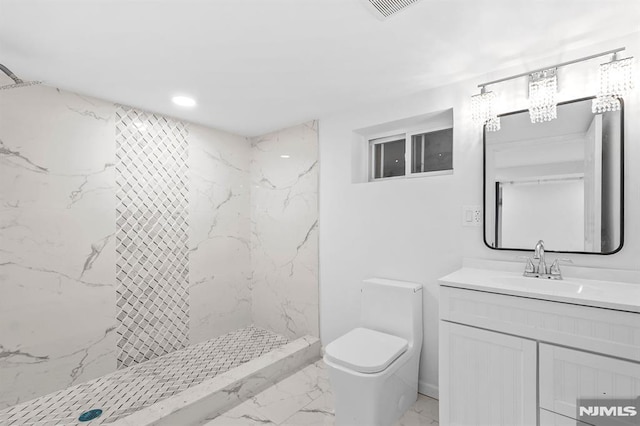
x: 128, y: 390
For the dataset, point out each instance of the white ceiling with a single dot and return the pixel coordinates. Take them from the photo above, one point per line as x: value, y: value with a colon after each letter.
x: 259, y: 65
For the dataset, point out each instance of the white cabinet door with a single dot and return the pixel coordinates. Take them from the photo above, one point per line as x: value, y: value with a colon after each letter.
x: 567, y: 375
x: 486, y: 378
x: 547, y: 418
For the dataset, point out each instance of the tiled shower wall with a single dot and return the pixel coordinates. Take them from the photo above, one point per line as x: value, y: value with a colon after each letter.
x: 219, y: 265
x: 284, y: 230
x: 64, y: 309
x: 57, y: 241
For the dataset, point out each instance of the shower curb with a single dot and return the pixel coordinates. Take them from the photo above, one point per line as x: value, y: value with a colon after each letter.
x: 205, y: 401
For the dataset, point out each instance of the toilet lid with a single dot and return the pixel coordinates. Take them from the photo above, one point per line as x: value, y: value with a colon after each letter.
x: 365, y: 350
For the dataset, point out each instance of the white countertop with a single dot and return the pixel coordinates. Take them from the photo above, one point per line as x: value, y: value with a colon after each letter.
x: 624, y: 296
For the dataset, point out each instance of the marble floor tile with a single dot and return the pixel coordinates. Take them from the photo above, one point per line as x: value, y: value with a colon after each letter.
x: 284, y: 404
x: 241, y: 419
x: 317, y: 412
x: 411, y: 418
x: 243, y: 414
x: 285, y: 398
x: 426, y: 407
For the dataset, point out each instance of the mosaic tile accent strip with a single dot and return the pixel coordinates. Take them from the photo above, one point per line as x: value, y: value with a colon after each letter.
x: 128, y: 390
x: 152, y: 265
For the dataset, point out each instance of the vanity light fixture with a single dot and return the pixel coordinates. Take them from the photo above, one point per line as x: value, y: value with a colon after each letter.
x: 616, y: 80
x: 285, y: 156
x: 543, y: 90
x: 483, y: 110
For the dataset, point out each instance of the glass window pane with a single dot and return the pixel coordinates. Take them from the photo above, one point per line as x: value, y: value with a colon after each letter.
x: 377, y: 161
x: 393, y: 158
x: 437, y: 153
x: 417, y: 160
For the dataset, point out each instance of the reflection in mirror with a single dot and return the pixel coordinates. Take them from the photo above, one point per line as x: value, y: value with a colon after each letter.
x: 558, y: 181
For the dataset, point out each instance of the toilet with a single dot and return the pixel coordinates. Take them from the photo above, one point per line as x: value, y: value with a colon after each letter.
x: 373, y: 369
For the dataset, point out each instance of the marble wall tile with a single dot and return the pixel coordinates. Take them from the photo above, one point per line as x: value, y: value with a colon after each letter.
x: 219, y: 193
x: 284, y: 225
x: 57, y: 149
x: 57, y: 225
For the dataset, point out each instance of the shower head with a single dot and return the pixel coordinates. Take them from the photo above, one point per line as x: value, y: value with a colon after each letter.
x: 17, y: 82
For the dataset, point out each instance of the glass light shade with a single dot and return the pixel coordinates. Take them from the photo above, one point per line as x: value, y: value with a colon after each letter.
x: 604, y: 104
x: 483, y: 110
x: 616, y: 79
x: 543, y: 91
x: 493, y: 124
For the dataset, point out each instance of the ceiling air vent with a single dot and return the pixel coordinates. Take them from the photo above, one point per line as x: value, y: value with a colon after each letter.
x: 386, y: 8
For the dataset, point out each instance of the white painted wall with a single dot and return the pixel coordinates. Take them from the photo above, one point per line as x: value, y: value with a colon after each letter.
x: 411, y: 229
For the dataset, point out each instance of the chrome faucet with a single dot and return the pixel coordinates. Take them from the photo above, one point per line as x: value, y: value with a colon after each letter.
x: 538, y: 254
x: 540, y: 270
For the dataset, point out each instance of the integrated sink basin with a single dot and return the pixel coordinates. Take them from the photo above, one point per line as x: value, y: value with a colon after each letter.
x: 597, y: 292
x: 546, y: 285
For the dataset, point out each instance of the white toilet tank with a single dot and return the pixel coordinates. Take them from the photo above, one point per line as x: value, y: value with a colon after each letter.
x: 393, y: 307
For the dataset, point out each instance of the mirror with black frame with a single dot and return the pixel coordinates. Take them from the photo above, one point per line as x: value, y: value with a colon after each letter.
x: 561, y: 181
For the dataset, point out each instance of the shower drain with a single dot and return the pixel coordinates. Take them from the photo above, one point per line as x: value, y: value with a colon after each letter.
x: 90, y: 415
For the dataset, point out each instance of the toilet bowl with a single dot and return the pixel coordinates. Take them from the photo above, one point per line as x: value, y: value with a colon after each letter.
x: 373, y: 369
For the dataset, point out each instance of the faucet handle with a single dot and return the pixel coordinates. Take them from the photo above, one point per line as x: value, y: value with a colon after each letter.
x: 528, y: 268
x: 555, y: 266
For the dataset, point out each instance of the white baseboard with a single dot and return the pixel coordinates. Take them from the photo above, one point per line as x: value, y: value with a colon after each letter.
x: 428, y: 389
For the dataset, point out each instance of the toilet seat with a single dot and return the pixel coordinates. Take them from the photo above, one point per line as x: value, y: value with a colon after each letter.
x: 365, y: 350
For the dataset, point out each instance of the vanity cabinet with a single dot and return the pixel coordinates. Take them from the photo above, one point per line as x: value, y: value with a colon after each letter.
x: 512, y: 360
x: 490, y: 378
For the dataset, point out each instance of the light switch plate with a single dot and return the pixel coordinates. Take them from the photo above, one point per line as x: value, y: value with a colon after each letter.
x: 471, y: 215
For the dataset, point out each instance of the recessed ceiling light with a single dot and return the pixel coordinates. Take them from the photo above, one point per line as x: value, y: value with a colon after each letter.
x: 184, y: 101
x: 285, y: 156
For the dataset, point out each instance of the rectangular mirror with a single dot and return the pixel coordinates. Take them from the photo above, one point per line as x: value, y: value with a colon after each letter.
x: 559, y: 181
